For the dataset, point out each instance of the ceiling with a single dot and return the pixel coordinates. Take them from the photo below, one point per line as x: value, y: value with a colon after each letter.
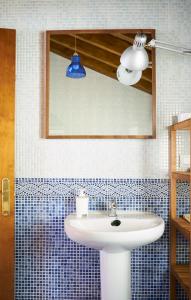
x: 100, y: 52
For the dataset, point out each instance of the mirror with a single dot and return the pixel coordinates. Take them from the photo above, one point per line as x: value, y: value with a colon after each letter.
x: 97, y: 105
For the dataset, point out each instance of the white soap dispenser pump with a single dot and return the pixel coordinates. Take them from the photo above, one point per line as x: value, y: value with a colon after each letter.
x: 82, y: 204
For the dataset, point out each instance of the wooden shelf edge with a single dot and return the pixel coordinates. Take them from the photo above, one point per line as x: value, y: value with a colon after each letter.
x: 179, y: 175
x: 184, y: 125
x: 181, y: 273
x: 182, y: 226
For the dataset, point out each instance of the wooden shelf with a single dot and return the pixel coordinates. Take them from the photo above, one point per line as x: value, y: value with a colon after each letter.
x: 181, y: 273
x: 179, y: 175
x: 183, y: 226
x: 184, y: 125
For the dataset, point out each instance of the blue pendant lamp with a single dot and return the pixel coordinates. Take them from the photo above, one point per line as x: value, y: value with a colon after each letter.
x: 75, y: 69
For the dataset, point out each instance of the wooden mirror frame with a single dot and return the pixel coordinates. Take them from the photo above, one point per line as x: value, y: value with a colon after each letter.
x: 45, y: 104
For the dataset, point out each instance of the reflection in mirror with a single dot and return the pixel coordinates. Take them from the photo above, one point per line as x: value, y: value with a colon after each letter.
x: 97, y: 105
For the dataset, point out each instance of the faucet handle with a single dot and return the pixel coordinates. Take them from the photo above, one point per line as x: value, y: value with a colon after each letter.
x: 113, y: 204
x: 112, y: 208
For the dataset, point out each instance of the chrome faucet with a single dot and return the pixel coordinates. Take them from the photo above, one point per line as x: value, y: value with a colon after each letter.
x: 112, y: 209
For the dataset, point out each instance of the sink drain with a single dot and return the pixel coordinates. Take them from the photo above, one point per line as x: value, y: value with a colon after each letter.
x: 115, y: 223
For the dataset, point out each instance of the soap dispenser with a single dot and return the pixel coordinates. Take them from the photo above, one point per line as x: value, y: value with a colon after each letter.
x: 82, y: 204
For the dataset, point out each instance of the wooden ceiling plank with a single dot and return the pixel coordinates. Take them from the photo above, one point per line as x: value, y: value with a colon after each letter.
x: 90, y: 51
x: 144, y: 86
x: 129, y: 37
x: 67, y: 53
x: 104, y: 41
x: 124, y: 37
x: 114, y: 40
x: 101, y: 67
x: 100, y: 55
x: 147, y: 75
x: 115, y: 43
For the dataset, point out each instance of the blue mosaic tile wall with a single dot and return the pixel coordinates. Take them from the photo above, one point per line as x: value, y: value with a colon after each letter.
x: 50, y: 266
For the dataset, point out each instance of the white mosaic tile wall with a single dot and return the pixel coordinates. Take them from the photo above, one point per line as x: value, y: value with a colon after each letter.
x: 36, y: 157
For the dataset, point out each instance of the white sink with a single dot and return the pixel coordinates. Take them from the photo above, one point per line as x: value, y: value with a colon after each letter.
x: 95, y: 230
x: 115, y: 243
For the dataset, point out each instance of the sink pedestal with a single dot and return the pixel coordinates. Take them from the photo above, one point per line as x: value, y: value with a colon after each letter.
x: 115, y: 275
x: 96, y: 231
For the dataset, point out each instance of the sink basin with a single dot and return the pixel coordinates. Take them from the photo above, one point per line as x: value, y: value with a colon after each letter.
x: 95, y: 231
x: 115, y: 238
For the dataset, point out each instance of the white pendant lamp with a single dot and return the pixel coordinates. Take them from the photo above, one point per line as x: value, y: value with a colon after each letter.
x: 128, y: 77
x: 135, y: 58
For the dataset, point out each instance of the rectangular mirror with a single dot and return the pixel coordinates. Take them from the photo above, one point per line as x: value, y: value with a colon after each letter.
x: 97, y: 105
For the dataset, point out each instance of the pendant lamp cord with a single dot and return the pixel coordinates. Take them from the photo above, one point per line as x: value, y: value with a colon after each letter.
x: 75, y: 46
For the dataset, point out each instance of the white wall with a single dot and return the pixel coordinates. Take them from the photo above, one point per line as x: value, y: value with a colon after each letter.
x: 96, y: 104
x: 36, y: 157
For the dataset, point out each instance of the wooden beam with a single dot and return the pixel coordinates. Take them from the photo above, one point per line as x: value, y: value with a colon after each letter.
x: 104, y: 41
x: 88, y: 50
x: 86, y: 61
x: 147, y: 75
x: 129, y: 37
x: 115, y: 42
x: 144, y: 86
x: 95, y: 53
x: 102, y: 68
x: 123, y: 37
